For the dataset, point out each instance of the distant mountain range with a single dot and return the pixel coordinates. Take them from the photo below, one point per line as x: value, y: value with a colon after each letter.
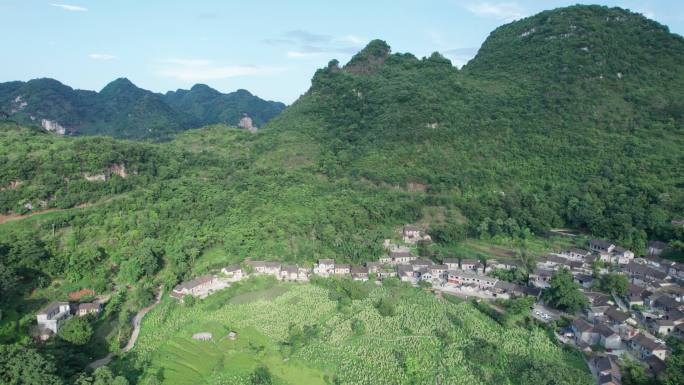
x: 123, y: 110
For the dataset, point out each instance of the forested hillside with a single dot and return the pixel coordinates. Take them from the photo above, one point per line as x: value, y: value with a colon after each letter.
x: 123, y: 110
x: 570, y: 118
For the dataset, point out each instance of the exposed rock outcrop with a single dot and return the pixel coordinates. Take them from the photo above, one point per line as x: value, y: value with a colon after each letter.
x: 115, y: 169
x: 53, y: 126
x: 246, y: 123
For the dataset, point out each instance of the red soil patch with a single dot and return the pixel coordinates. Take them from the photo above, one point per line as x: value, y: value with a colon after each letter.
x: 77, y: 295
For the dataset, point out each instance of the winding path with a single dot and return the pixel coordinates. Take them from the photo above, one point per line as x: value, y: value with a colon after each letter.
x: 134, y: 336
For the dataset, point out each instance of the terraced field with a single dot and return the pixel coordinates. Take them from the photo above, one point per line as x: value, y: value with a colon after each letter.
x: 303, y: 336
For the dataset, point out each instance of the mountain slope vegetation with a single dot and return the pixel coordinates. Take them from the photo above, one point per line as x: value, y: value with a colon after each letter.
x: 123, y: 110
x: 535, y: 133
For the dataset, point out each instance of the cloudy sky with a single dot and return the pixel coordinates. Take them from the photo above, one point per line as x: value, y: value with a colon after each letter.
x: 270, y: 47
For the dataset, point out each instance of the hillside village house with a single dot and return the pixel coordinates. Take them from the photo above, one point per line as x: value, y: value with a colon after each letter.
x: 421, y: 263
x: 470, y: 264
x: 609, y: 252
x: 635, y: 295
x: 198, y: 287
x: 265, y: 267
x: 233, y: 272
x: 359, y: 273
x: 324, y: 267
x: 342, y: 269
x: 541, y: 277
x: 289, y: 273
x: 584, y: 280
x: 398, y: 257
x: 575, y: 254
x: 405, y: 273
x: 456, y: 277
x: 596, y: 313
x: 642, y: 274
x: 600, y: 246
x: 607, y: 370
x: 88, y: 308
x: 676, y: 271
x: 598, y: 299
x: 373, y: 267
x: 425, y: 274
x: 621, y: 256
x: 645, y: 347
x: 439, y: 271
x: 452, y: 263
x: 584, y: 332
x: 51, y: 317
x: 615, y: 316
x: 655, y: 262
x: 303, y: 274
x: 608, y: 338
x: 662, y: 327
x: 412, y: 234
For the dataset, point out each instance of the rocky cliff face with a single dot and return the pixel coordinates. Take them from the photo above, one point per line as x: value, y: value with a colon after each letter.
x: 53, y: 126
x: 246, y: 123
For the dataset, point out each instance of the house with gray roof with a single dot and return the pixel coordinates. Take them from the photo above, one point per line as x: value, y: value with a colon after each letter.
x: 359, y: 273
x: 51, y: 317
x: 645, y: 347
x: 265, y: 267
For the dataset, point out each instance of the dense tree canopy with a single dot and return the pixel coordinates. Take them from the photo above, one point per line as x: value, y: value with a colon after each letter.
x: 563, y: 293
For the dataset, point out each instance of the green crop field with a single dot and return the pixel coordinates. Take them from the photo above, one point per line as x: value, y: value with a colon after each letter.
x: 303, y: 335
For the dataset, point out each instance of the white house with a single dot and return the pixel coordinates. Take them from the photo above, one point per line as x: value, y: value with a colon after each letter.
x: 234, y: 272
x: 51, y: 317
x: 324, y: 267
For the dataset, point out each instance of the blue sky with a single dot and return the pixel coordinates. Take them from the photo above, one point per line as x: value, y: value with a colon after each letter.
x: 271, y: 48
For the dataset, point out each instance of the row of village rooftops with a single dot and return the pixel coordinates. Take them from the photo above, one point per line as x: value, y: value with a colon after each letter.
x: 400, y: 262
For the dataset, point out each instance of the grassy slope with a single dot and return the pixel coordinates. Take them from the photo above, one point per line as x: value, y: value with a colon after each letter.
x: 371, y: 358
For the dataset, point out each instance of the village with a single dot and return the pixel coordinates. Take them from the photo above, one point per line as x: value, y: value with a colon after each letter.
x: 631, y: 326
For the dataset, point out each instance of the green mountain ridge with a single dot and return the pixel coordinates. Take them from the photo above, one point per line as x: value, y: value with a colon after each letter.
x: 531, y: 135
x: 123, y: 110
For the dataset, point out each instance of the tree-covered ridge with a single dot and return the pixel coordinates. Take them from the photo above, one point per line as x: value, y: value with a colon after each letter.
x: 540, y: 147
x: 208, y: 106
x: 123, y: 110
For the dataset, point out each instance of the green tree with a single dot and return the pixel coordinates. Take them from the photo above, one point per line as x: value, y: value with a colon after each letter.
x: 8, y: 281
x: 614, y: 283
x: 101, y: 376
x: 634, y: 373
x: 25, y: 366
x: 674, y: 372
x: 423, y: 248
x: 76, y: 330
x: 261, y: 376
x: 563, y: 293
x: 386, y: 307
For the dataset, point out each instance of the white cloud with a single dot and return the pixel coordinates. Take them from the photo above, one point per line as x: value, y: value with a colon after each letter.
x: 194, y: 70
x: 101, y: 56
x: 352, y: 39
x: 69, y: 7
x: 499, y: 11
x: 187, y: 62
x: 305, y: 44
x: 300, y: 54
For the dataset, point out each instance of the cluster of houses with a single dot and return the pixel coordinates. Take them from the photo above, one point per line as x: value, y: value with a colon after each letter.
x: 634, y: 324
x: 52, y: 316
x: 468, y: 275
